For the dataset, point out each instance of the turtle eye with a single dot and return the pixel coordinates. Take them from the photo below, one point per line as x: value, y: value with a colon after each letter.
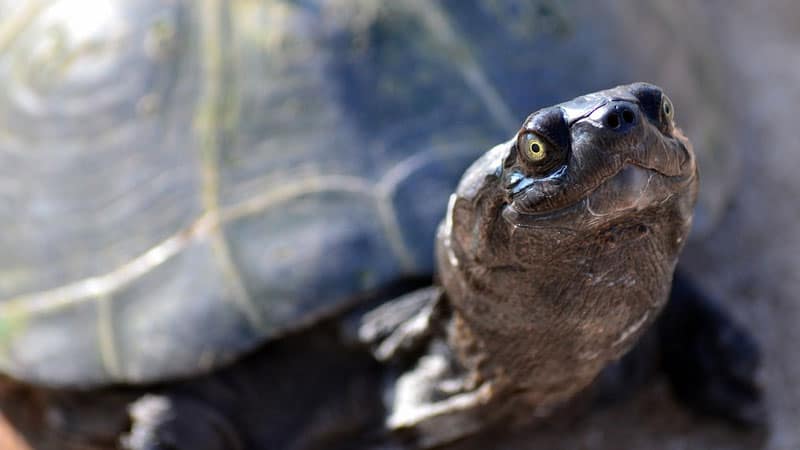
x: 539, y: 155
x: 666, y: 108
x: 534, y: 148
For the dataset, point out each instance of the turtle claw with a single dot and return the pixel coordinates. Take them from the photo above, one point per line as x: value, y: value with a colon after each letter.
x: 711, y: 361
x: 166, y: 423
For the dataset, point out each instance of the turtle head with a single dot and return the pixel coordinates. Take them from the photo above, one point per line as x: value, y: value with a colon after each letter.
x: 565, y: 238
x: 601, y: 157
x: 605, y: 161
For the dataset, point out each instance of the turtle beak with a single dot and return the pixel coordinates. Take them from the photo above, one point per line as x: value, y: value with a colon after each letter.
x: 668, y: 154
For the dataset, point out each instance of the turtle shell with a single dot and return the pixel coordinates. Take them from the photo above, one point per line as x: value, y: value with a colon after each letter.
x: 181, y: 181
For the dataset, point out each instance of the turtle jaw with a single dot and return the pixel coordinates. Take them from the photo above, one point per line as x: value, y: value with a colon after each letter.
x: 656, y: 175
x: 634, y: 188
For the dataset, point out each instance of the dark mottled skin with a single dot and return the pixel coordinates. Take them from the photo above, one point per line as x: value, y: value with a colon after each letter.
x: 544, y: 292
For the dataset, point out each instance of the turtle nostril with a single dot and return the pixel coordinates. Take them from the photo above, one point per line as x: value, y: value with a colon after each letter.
x: 619, y: 116
x: 628, y: 116
x: 612, y: 120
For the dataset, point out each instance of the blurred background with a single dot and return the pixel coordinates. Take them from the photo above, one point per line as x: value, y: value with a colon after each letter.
x: 276, y: 90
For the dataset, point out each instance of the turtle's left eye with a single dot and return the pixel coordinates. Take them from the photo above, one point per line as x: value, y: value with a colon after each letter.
x: 535, y: 148
x: 666, y: 108
x: 539, y: 155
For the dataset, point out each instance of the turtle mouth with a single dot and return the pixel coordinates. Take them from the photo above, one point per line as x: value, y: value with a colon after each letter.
x: 658, y: 174
x: 635, y: 187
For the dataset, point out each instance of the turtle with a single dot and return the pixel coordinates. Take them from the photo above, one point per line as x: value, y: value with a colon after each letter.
x: 185, y: 184
x: 556, y: 254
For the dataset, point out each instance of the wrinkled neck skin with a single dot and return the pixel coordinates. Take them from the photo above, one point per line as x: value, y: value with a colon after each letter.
x: 543, y: 300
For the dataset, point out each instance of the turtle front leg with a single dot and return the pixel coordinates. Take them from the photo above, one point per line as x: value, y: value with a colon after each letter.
x: 430, y: 399
x: 163, y: 422
x: 437, y: 402
x: 710, y: 359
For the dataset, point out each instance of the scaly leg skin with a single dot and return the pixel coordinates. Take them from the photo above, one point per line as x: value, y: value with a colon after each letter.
x: 430, y: 399
x: 175, y: 423
x: 710, y: 360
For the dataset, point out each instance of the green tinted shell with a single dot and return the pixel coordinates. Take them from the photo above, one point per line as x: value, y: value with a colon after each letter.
x: 181, y: 181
